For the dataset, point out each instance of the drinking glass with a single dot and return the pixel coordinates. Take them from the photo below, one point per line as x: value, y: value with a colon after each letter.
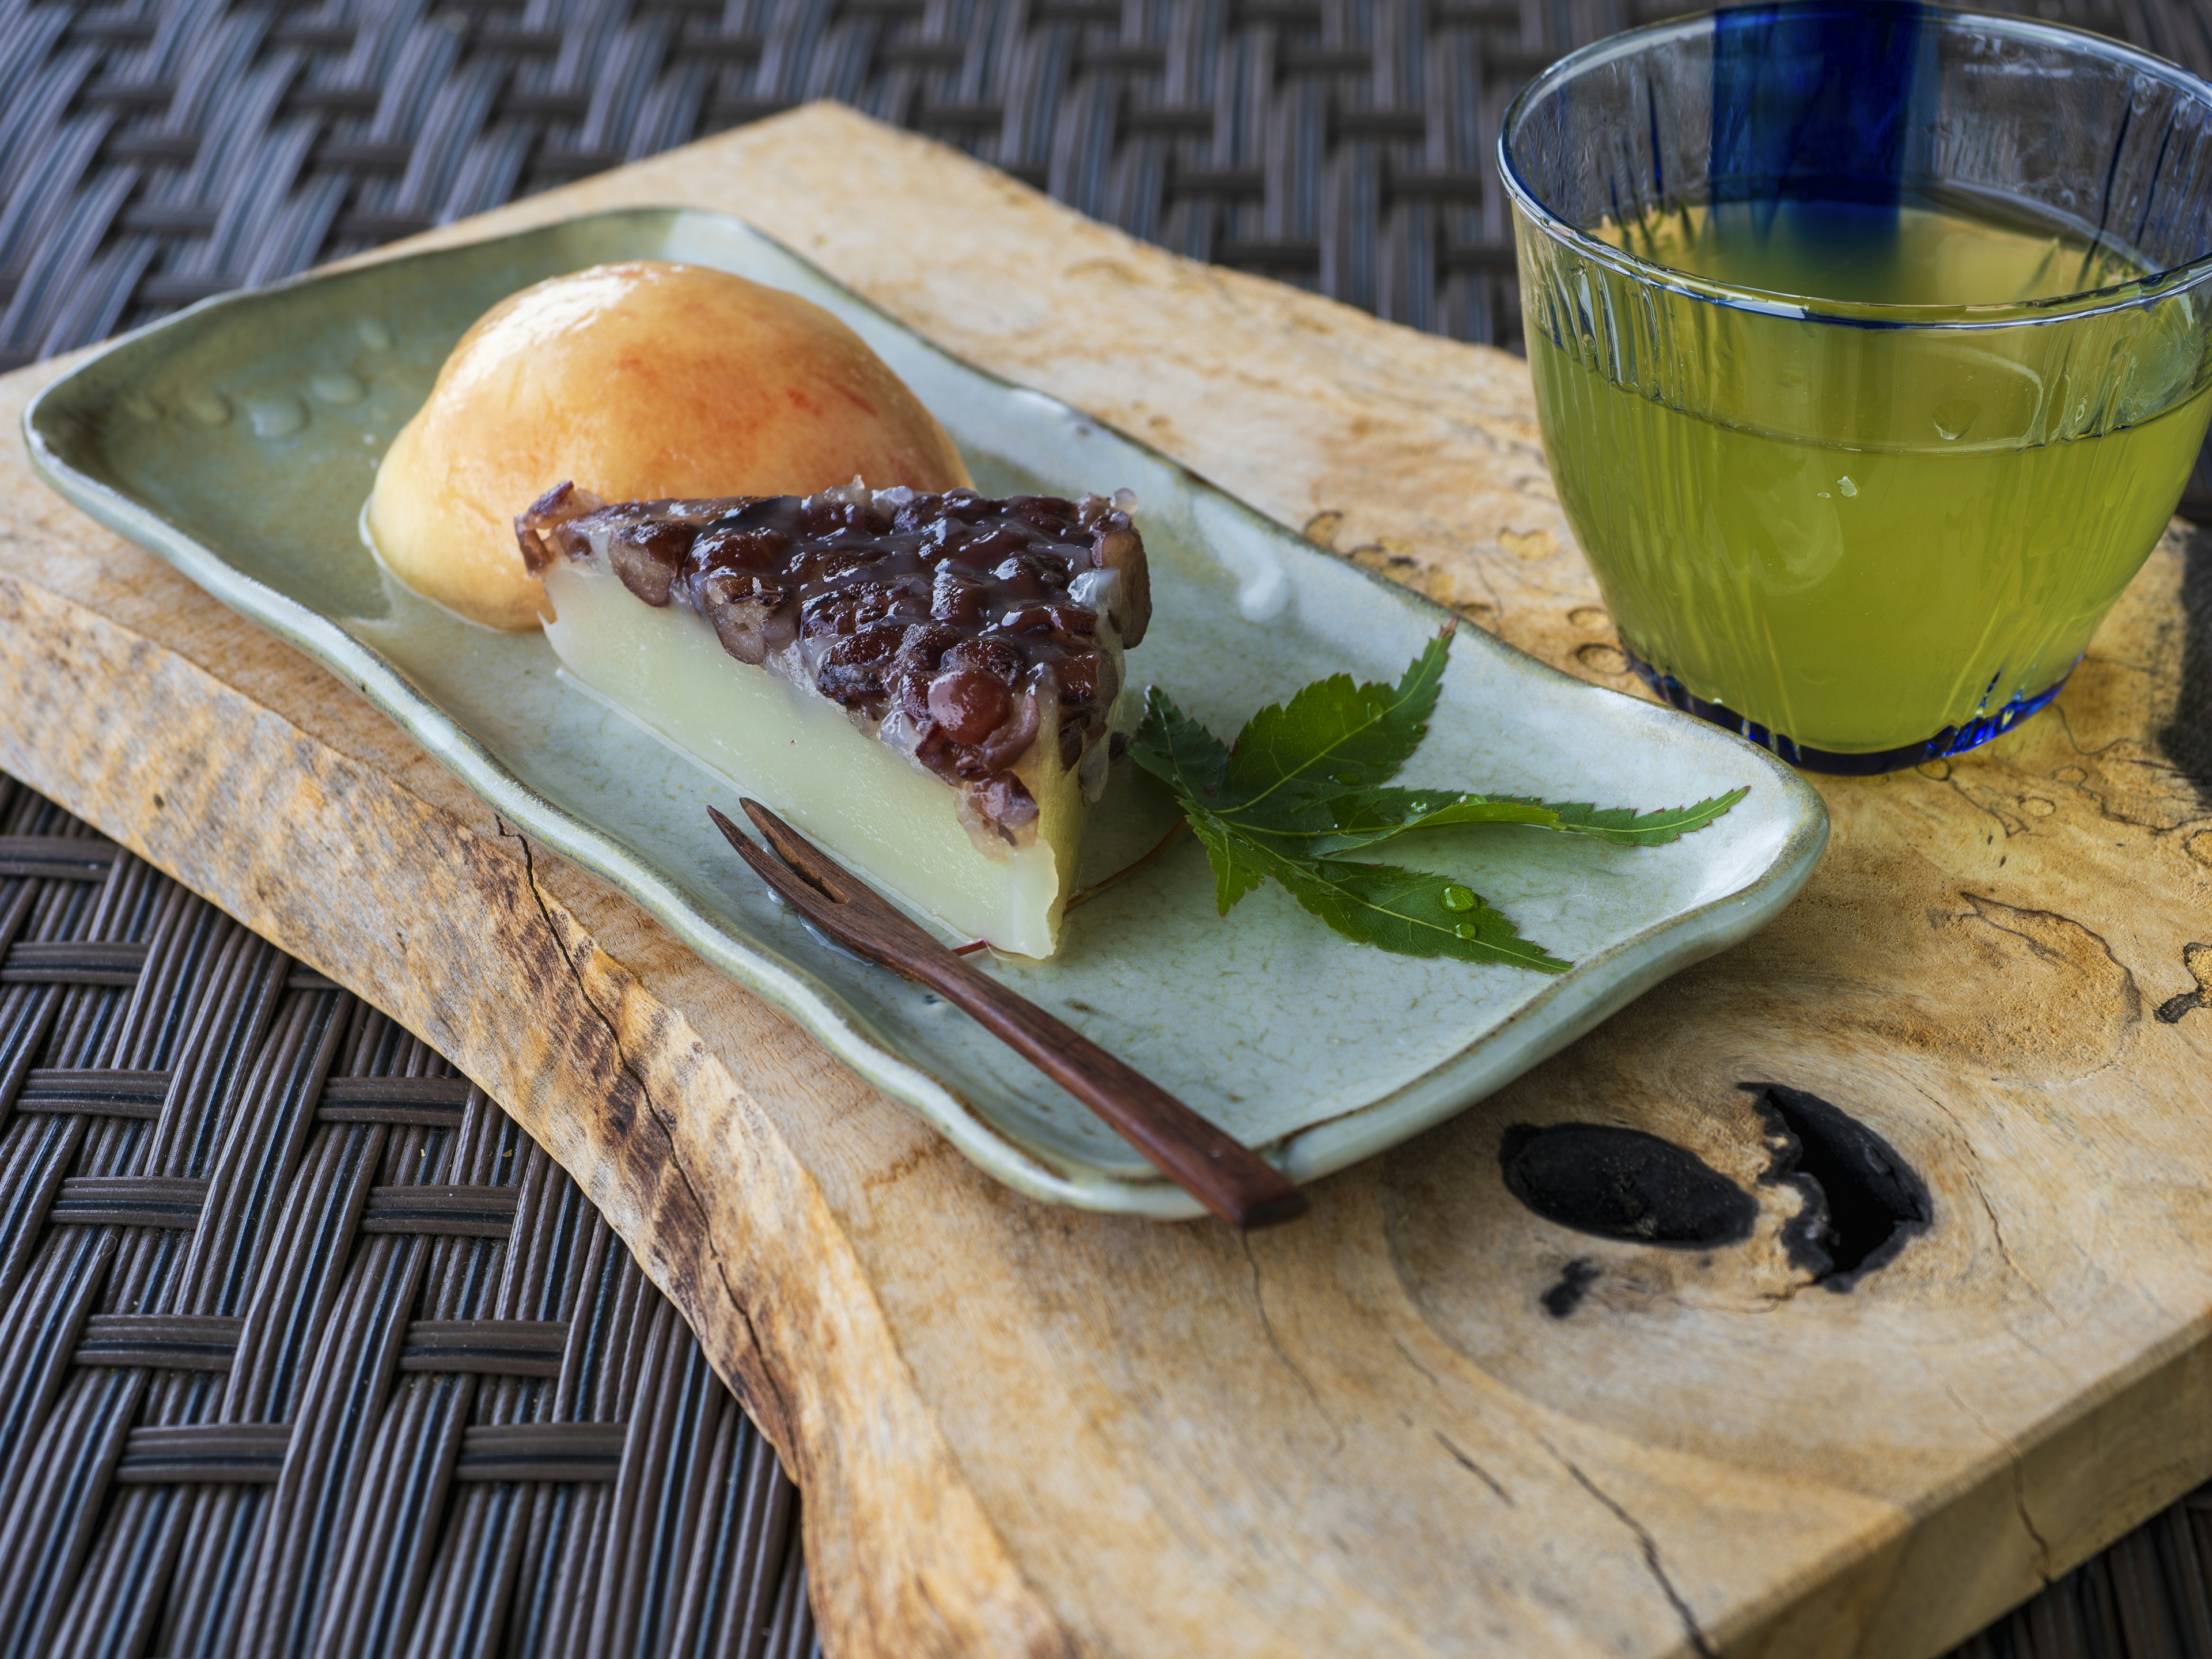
x: 1864, y: 534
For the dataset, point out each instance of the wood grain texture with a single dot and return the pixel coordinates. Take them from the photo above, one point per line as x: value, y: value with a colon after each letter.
x: 1024, y: 1431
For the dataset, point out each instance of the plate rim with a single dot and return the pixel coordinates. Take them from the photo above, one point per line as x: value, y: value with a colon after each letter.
x: 1599, y: 984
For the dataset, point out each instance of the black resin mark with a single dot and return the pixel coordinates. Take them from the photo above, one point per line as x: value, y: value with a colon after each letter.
x: 2198, y: 959
x: 1624, y: 1184
x: 1863, y: 1202
x: 1575, y: 1280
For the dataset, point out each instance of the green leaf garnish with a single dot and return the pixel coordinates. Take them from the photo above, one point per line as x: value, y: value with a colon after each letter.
x: 1624, y: 826
x: 1335, y: 733
x: 1358, y: 819
x: 1409, y: 913
x: 1240, y: 864
x: 1177, y: 749
x: 1308, y: 780
x: 1337, y: 820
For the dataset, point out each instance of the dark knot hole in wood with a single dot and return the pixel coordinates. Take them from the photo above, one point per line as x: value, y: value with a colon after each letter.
x: 1863, y: 1202
x: 1624, y: 1184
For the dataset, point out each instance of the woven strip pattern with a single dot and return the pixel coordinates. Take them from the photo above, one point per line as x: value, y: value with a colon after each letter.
x: 2149, y: 1597
x: 304, y: 1347
x: 153, y: 152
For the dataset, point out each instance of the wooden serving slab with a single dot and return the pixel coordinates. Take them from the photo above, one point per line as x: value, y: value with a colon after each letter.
x: 1425, y: 1420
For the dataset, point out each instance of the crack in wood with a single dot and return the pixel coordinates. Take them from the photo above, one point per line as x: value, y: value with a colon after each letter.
x: 1699, y: 1642
x: 2059, y: 1003
x: 784, y: 1421
x: 2043, y: 1555
x: 2004, y: 1250
x: 1413, y: 1360
x: 1268, y: 1326
x: 1473, y: 1467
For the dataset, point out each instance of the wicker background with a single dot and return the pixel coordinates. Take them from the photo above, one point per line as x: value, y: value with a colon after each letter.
x: 303, y: 1346
x: 154, y: 153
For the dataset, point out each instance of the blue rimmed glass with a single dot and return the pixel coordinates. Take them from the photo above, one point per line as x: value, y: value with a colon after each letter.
x: 1865, y: 534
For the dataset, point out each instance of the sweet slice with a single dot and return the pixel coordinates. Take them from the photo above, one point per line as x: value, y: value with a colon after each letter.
x: 924, y: 683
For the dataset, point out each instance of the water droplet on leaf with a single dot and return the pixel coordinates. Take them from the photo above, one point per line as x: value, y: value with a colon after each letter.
x: 1847, y: 486
x: 1347, y: 777
x: 1456, y: 897
x: 1467, y: 930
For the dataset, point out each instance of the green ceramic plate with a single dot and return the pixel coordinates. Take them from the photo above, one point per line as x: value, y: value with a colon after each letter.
x: 239, y: 440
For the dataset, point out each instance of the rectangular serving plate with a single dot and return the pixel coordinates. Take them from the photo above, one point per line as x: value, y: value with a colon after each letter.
x: 239, y: 440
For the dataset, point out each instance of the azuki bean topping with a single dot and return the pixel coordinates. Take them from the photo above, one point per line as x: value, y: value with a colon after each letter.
x: 972, y: 618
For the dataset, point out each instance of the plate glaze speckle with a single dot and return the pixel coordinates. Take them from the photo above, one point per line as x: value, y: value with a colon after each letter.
x: 239, y: 440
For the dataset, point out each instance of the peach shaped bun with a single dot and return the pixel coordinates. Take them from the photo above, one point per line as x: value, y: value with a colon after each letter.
x: 637, y: 381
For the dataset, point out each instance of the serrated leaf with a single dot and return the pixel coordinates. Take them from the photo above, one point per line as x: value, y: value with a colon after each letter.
x: 1329, y: 821
x: 1403, y: 912
x: 1334, y: 731
x: 1176, y: 750
x: 1239, y: 866
x: 1624, y: 826
x: 1326, y: 819
x: 1307, y: 781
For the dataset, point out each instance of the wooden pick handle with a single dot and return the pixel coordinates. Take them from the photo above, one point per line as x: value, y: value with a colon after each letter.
x: 1220, y: 1171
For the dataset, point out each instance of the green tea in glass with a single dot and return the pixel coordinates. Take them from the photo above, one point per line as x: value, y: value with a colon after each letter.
x: 1870, y: 351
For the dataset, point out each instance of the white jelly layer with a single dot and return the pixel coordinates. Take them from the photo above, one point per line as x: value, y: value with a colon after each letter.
x: 867, y: 803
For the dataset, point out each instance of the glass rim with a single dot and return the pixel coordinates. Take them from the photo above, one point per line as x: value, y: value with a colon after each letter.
x: 1800, y: 307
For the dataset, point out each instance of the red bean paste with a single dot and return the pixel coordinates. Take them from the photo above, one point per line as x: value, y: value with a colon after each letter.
x: 963, y: 629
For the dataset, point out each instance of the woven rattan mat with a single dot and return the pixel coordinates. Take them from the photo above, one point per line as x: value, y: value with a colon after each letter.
x: 154, y: 153
x: 304, y: 1347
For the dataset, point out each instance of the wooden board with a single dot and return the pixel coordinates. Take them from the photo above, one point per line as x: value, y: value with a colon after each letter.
x: 1410, y: 1425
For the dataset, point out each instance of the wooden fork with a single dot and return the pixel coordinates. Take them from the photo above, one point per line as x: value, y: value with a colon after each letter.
x: 1228, y: 1178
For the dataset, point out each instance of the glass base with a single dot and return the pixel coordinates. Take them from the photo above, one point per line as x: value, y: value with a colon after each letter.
x: 1951, y: 741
